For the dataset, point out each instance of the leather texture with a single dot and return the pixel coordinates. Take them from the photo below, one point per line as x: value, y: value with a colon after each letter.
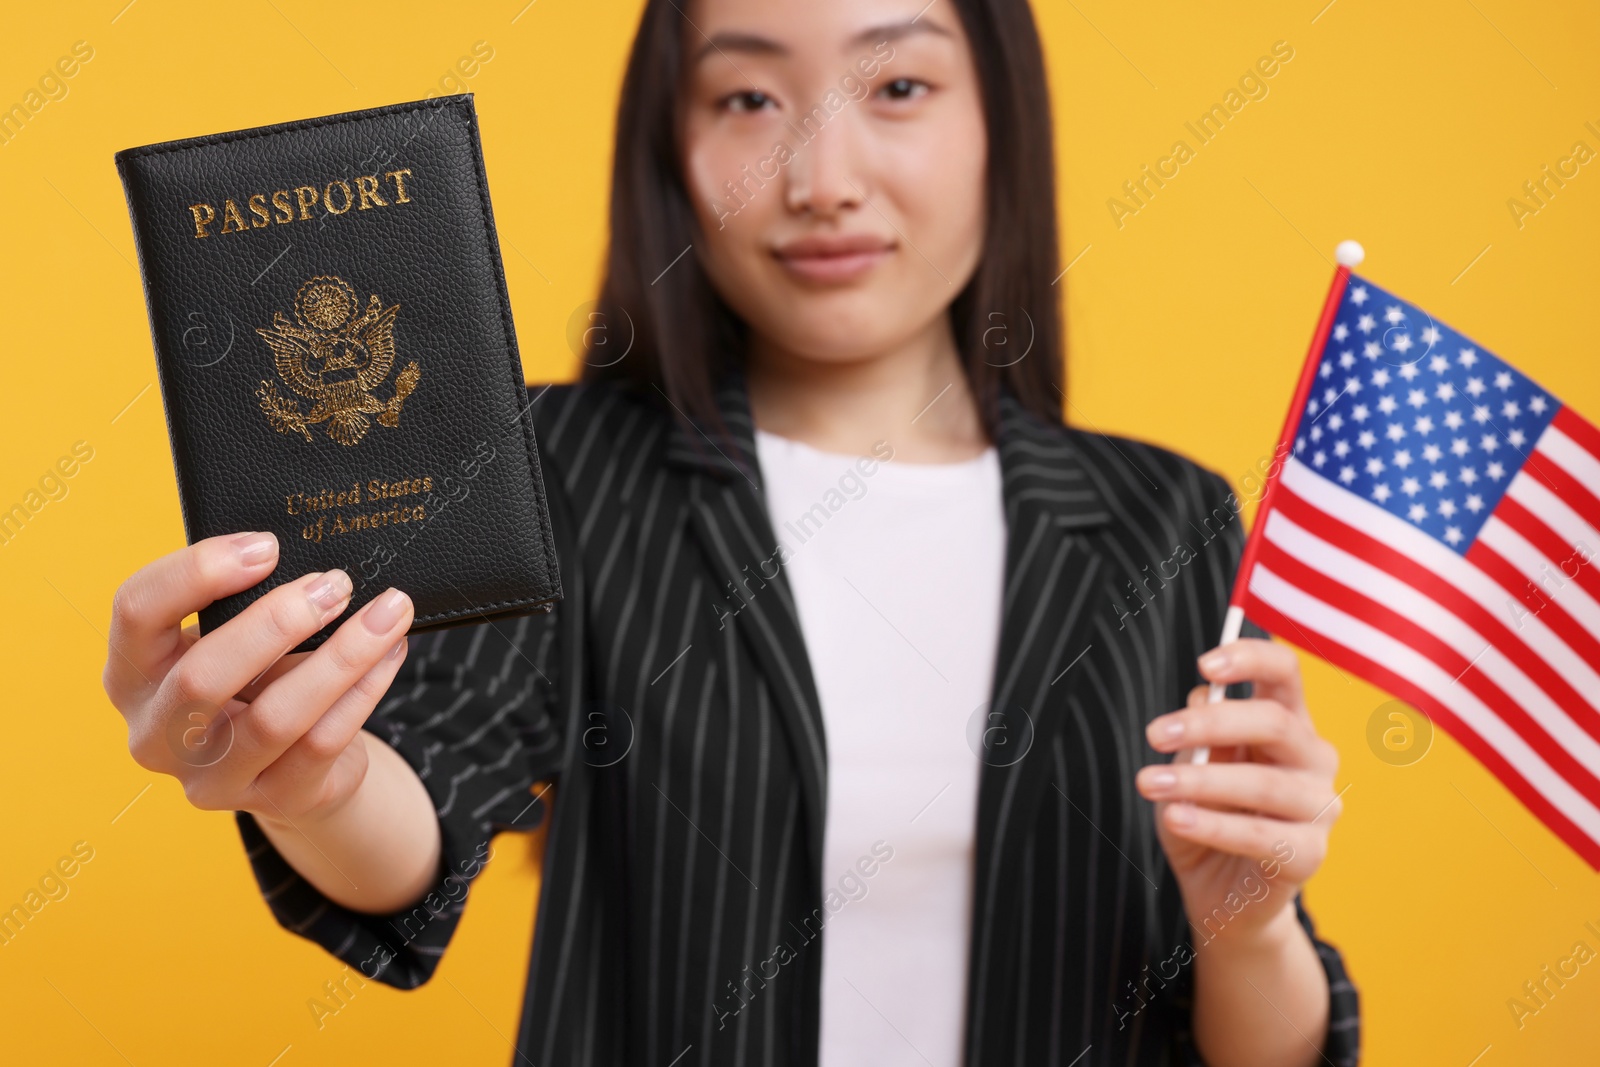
x: 348, y: 379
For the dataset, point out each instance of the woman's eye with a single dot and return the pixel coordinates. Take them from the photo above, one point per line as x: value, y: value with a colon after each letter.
x: 904, y: 89
x: 750, y: 100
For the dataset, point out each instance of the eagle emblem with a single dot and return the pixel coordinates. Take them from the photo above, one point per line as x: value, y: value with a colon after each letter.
x: 334, y: 357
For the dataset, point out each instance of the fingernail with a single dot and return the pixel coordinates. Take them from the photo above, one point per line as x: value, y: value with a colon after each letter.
x: 1160, y: 781
x: 1173, y: 730
x: 329, y: 592
x: 254, y: 548
x: 1214, y: 662
x: 1181, y: 814
x: 384, y: 612
x: 399, y: 647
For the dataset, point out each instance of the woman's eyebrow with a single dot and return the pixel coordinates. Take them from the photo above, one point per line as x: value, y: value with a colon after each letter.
x: 893, y: 31
x: 755, y: 44
x: 739, y: 41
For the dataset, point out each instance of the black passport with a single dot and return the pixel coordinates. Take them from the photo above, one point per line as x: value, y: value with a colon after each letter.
x: 337, y: 359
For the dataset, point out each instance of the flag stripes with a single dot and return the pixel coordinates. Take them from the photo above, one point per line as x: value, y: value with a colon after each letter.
x: 1475, y: 641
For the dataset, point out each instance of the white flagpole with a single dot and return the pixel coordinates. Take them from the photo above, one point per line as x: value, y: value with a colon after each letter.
x: 1349, y: 255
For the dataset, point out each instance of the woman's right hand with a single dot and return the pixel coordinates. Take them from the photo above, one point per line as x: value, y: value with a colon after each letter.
x: 240, y: 722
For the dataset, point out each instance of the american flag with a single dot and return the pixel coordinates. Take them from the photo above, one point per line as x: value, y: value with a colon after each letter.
x: 1433, y: 529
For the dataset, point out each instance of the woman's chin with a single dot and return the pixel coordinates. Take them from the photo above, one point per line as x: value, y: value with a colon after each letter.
x: 843, y: 334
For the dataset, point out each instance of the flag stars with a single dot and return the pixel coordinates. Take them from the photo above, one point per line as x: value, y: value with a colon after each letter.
x: 1432, y: 431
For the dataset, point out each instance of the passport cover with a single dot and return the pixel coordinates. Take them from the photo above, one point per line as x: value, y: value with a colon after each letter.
x: 337, y: 359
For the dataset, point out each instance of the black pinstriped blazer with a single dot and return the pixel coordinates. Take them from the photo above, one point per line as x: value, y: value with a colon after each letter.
x: 670, y: 702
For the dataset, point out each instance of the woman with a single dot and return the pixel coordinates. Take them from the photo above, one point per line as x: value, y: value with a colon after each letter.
x: 857, y: 636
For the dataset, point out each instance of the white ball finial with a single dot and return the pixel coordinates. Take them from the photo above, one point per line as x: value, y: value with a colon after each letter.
x: 1350, y: 254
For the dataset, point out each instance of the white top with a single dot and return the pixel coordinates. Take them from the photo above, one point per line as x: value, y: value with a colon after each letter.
x: 897, y: 572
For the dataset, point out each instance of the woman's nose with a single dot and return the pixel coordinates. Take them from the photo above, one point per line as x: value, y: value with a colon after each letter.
x: 825, y: 177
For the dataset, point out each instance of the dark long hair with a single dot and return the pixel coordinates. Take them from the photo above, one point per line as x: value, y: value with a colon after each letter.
x: 682, y: 337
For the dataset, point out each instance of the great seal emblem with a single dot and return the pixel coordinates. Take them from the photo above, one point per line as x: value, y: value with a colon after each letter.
x: 334, y: 358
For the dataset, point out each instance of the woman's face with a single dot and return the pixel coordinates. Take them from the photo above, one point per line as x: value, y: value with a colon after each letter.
x: 835, y: 154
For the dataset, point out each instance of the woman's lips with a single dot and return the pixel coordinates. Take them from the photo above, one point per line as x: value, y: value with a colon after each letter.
x: 832, y: 260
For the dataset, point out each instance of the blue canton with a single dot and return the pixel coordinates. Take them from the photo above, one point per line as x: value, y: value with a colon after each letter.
x: 1409, y: 414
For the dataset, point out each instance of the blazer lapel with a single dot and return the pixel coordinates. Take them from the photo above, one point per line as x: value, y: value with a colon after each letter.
x: 729, y: 514
x: 1053, y: 576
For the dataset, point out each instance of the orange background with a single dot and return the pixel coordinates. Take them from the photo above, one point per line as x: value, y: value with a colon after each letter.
x: 1405, y: 126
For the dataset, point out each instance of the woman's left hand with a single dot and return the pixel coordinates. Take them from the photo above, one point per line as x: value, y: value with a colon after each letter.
x: 1258, y: 814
